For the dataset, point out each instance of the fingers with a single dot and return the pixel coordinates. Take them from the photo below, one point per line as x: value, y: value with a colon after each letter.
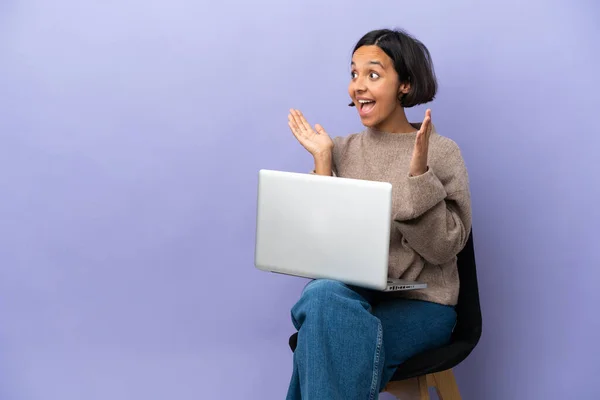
x: 296, y: 121
x: 426, y: 125
x: 294, y: 125
x: 294, y: 117
x: 427, y: 119
x: 320, y: 129
x: 302, y: 123
x: 300, y: 127
x: 294, y: 129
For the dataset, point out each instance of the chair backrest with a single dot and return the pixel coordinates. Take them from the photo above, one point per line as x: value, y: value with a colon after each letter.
x: 469, y: 322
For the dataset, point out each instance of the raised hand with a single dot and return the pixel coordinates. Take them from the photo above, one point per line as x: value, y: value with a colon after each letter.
x: 418, y: 164
x: 316, y: 141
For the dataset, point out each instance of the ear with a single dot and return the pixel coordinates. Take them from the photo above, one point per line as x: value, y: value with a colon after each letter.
x: 404, y: 88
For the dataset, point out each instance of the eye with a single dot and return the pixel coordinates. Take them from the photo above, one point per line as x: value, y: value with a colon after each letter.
x: 374, y: 75
x: 353, y: 74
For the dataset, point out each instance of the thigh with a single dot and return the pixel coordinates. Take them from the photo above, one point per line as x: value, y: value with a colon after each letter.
x: 325, y: 297
x: 413, y: 326
x: 339, y: 288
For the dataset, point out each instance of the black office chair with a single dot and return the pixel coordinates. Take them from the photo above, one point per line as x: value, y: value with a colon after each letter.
x: 433, y: 368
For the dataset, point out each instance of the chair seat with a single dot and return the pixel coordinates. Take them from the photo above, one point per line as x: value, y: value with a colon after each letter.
x: 427, y: 362
x: 434, y: 360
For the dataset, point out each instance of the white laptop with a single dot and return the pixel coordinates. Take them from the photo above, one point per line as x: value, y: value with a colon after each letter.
x: 323, y: 227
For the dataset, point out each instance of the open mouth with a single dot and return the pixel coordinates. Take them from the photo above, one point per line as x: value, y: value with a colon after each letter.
x: 366, y: 106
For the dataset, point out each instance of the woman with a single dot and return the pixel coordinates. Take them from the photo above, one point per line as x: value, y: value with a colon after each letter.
x: 351, y: 340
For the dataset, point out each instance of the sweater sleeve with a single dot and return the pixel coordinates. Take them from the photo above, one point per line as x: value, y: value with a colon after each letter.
x: 435, y: 217
x: 333, y: 171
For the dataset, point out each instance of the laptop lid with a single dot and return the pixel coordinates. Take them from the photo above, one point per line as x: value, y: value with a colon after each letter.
x: 317, y: 226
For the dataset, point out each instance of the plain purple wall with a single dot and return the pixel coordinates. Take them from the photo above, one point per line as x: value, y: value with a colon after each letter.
x: 131, y: 136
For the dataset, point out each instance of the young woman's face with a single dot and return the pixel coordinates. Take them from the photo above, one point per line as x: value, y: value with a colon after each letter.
x: 374, y: 86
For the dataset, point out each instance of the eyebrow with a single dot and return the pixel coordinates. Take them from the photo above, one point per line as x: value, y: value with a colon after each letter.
x: 372, y: 62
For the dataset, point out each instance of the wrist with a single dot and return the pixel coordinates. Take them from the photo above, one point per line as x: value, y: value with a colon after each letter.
x: 323, y: 164
x: 323, y: 155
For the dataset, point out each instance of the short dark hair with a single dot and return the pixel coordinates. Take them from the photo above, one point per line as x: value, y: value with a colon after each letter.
x: 412, y: 62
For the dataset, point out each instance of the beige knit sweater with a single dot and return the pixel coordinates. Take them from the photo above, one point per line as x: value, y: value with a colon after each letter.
x: 431, y: 213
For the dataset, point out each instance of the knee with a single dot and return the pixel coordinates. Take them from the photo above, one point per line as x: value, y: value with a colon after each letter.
x: 321, y: 288
x: 324, y: 298
x: 315, y: 301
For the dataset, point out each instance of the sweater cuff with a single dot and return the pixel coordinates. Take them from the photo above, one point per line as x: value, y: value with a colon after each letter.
x: 423, y: 192
x: 313, y: 172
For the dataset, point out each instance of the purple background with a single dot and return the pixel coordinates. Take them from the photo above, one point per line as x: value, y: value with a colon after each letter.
x: 131, y: 136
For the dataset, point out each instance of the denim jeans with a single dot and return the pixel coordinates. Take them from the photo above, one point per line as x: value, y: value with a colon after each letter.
x: 350, y: 342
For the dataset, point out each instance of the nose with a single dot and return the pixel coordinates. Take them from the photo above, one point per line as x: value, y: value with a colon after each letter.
x: 359, y: 85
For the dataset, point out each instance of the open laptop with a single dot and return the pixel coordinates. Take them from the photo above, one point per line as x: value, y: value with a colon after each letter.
x: 323, y: 227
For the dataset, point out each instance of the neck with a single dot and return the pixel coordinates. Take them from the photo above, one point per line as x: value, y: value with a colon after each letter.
x: 395, y: 123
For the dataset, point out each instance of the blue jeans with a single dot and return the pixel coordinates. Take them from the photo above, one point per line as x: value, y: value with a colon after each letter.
x: 350, y: 342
